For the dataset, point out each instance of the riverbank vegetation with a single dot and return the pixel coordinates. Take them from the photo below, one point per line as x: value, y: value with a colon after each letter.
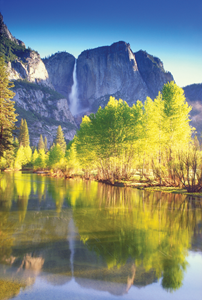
x: 149, y: 142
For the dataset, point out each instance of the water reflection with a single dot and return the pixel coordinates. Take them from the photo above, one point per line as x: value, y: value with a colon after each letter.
x: 95, y: 233
x: 157, y: 228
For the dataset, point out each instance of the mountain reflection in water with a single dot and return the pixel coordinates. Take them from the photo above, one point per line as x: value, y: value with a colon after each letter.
x: 93, y: 235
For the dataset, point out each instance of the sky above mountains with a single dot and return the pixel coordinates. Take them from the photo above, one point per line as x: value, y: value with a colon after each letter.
x: 170, y: 30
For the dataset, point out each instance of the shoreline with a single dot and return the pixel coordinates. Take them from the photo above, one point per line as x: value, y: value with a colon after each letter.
x: 131, y: 184
x: 122, y: 183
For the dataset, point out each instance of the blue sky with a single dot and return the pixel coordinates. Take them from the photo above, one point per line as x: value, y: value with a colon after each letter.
x: 170, y: 30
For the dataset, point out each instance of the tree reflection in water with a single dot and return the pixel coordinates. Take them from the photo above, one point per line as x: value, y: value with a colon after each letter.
x: 149, y: 231
x: 154, y: 229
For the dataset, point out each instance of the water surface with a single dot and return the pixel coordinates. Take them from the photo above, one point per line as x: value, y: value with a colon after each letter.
x: 87, y: 240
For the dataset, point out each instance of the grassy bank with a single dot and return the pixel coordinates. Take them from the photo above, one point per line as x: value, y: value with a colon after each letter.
x: 143, y: 185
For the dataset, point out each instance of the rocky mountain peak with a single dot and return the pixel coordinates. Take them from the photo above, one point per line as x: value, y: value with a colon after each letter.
x: 35, y: 97
x: 6, y: 33
x: 117, y: 47
x: 149, y: 59
x: 60, y: 70
x: 152, y: 72
x: 193, y: 94
x: 116, y: 70
x: 99, y: 73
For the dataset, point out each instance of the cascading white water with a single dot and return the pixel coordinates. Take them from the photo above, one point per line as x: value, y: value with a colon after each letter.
x: 71, y: 237
x: 73, y: 96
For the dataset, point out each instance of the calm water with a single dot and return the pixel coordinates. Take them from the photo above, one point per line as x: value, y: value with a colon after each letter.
x: 84, y: 240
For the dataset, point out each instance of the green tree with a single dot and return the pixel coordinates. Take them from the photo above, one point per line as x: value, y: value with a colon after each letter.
x: 28, y: 155
x: 41, y: 144
x: 45, y: 144
x: 175, y: 116
x: 60, y: 140
x: 21, y: 129
x: 35, y: 156
x: 19, y: 160
x: 7, y: 110
x: 23, y: 157
x: 41, y: 161
x: 24, y: 134
x: 55, y: 155
x: 106, y: 139
x: 71, y: 158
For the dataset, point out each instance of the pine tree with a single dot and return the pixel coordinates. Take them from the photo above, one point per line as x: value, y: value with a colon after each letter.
x: 45, y: 144
x: 21, y: 132
x: 60, y: 140
x: 41, y: 144
x: 24, y: 134
x: 55, y: 154
x: 7, y: 110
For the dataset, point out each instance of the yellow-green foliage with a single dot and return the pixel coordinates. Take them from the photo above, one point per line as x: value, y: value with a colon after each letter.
x: 3, y: 163
x: 156, y: 228
x: 40, y: 159
x: 121, y: 225
x: 119, y: 139
x: 23, y: 157
x: 72, y: 162
x: 9, y: 289
x: 55, y: 155
x: 35, y: 156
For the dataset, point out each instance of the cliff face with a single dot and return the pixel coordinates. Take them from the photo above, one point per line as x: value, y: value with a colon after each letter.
x: 60, y: 69
x: 116, y: 70
x: 193, y: 94
x: 30, y: 67
x: 23, y: 63
x: 108, y: 71
x: 104, y: 71
x: 35, y: 97
x: 6, y: 33
x: 44, y: 110
x: 152, y: 72
x: 111, y: 70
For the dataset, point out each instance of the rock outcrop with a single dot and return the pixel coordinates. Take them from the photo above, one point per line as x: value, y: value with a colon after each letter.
x: 109, y: 70
x: 35, y: 97
x: 152, y: 72
x: 116, y: 70
x: 60, y: 69
x: 23, y: 63
x: 44, y: 110
x: 5, y: 32
x: 101, y: 72
x: 29, y: 67
x: 193, y: 94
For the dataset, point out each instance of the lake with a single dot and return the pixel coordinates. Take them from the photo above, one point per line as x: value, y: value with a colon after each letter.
x: 74, y: 239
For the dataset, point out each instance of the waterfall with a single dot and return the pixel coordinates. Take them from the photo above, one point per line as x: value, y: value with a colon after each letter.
x: 73, y: 96
x: 71, y: 237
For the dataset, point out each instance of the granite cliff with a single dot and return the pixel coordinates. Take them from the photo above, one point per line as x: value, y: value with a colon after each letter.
x: 60, y: 69
x: 109, y: 70
x: 35, y: 98
x: 23, y: 63
x: 44, y: 109
x: 116, y: 70
x: 193, y: 94
x: 152, y: 72
x: 6, y: 33
x: 43, y: 86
